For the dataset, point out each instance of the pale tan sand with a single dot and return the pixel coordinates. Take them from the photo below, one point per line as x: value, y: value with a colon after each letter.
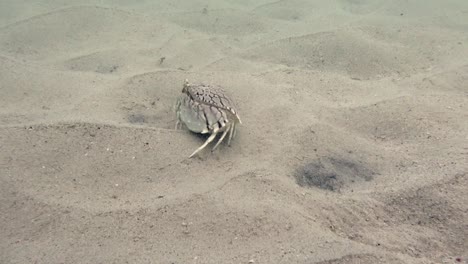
x: 353, y: 147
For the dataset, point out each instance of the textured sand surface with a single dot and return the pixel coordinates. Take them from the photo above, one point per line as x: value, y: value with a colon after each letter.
x: 353, y: 147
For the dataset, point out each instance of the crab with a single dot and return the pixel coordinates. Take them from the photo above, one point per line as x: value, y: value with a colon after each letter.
x: 207, y: 109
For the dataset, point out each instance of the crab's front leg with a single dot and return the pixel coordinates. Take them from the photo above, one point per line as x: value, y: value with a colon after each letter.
x: 177, y: 112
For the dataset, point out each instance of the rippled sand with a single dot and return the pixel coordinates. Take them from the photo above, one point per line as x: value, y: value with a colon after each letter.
x: 353, y: 147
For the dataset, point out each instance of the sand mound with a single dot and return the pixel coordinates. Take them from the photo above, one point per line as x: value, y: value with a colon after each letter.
x: 340, y: 52
x: 286, y: 10
x: 33, y: 94
x: 64, y: 32
x: 221, y: 22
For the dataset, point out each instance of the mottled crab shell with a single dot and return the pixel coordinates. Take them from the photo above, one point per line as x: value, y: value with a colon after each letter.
x: 207, y: 109
x: 211, y: 95
x: 202, y: 108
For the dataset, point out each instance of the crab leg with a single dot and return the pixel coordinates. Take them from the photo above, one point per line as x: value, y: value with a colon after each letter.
x: 212, y: 136
x: 177, y: 111
x: 222, y: 137
x: 178, y: 119
x: 232, y: 130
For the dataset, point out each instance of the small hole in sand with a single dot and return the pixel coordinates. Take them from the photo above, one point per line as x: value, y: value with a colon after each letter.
x: 333, y: 174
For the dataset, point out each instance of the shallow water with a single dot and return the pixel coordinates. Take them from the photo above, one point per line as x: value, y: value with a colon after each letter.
x: 352, y: 147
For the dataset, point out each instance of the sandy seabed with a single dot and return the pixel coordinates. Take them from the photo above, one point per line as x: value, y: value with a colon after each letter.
x: 353, y: 147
